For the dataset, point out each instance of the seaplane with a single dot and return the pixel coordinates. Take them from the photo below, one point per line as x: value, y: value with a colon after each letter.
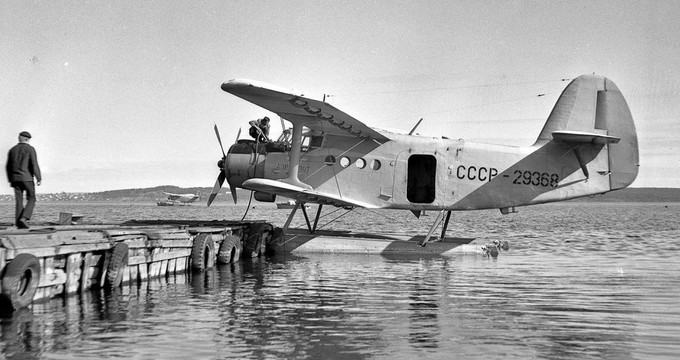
x: 588, y: 146
x: 177, y: 199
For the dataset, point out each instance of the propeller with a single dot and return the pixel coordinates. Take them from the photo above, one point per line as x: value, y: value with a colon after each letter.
x: 223, y: 175
x: 219, y: 139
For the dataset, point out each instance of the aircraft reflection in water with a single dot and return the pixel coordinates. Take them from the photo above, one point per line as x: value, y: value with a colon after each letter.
x: 587, y: 146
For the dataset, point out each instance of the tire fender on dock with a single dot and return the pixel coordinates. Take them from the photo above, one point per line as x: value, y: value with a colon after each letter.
x: 20, y: 282
x: 117, y: 265
x: 230, y: 250
x: 203, y: 252
x: 256, y: 241
x: 277, y: 238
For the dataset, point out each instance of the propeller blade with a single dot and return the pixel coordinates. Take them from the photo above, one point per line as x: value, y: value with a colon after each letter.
x: 217, y: 132
x: 233, y: 192
x: 238, y: 135
x: 217, y: 187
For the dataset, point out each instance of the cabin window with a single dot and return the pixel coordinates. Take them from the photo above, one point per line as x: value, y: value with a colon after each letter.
x: 360, y: 163
x: 422, y: 170
x: 344, y: 161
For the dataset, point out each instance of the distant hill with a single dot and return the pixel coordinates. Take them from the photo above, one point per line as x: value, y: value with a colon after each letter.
x: 156, y: 193
x: 135, y: 195
x: 637, y: 195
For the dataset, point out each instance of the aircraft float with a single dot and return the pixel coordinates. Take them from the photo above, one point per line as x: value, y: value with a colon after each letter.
x: 587, y: 146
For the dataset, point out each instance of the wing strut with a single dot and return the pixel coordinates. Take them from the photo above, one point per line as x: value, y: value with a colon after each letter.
x: 294, y: 164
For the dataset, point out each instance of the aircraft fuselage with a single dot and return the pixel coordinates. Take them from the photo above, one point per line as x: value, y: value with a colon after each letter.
x: 425, y: 173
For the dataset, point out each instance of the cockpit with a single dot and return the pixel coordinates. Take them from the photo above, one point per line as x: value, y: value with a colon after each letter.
x: 311, y: 140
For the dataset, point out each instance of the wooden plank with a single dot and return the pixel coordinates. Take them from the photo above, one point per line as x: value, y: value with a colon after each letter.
x: 56, y: 277
x: 143, y: 272
x: 166, y: 234
x: 133, y: 273
x: 128, y: 237
x: 172, y: 243
x: 47, y: 265
x: 59, y: 250
x: 73, y: 264
x: 155, y: 265
x: 103, y: 268
x: 85, y: 273
x: 126, y: 274
x: 180, y: 264
x: 164, y: 268
x: 30, y: 240
x: 140, y: 259
x: 3, y: 260
x: 40, y: 294
x: 171, y: 266
x: 135, y: 243
x: 123, y: 232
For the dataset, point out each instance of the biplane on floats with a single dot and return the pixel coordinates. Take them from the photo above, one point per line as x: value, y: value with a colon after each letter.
x: 587, y: 146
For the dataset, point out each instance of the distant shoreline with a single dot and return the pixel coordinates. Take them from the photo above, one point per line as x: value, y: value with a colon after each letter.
x: 151, y: 195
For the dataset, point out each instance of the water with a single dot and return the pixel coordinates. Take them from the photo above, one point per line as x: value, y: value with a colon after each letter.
x: 581, y: 280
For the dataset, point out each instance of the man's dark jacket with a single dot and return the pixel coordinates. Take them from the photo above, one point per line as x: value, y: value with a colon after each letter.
x: 22, y: 163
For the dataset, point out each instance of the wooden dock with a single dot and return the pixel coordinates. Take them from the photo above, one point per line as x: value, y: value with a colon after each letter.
x: 59, y: 260
x: 49, y: 261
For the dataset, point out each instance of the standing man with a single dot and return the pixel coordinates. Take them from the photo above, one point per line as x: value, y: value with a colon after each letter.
x: 22, y: 166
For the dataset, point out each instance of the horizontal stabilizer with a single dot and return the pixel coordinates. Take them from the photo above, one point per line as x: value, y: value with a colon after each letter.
x: 299, y: 193
x: 581, y: 137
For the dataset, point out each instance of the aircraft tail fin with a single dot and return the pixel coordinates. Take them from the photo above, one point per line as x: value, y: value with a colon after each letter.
x: 592, y: 109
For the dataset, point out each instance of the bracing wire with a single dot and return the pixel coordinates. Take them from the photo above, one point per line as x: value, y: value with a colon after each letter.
x: 391, y: 219
x: 341, y: 215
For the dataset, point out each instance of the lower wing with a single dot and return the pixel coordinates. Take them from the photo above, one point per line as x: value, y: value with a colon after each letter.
x: 300, y: 194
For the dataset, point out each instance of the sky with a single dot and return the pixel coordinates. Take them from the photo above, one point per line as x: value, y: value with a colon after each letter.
x: 124, y: 94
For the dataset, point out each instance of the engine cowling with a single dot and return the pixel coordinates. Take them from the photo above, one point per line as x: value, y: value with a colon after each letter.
x: 243, y: 162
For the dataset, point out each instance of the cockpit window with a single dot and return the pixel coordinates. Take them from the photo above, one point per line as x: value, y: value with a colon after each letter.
x: 310, y: 140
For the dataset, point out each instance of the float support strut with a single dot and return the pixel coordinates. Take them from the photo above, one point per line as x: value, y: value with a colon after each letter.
x: 434, y: 226
x: 316, y: 219
x: 446, y: 224
x: 290, y: 217
x: 304, y: 212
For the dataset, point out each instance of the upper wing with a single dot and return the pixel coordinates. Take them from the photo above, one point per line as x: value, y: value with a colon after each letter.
x: 300, y: 194
x: 314, y: 114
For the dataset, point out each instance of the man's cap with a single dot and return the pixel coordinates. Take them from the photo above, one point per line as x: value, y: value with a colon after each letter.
x: 25, y: 134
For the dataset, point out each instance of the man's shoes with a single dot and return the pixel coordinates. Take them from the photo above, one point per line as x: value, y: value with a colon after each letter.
x: 21, y: 224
